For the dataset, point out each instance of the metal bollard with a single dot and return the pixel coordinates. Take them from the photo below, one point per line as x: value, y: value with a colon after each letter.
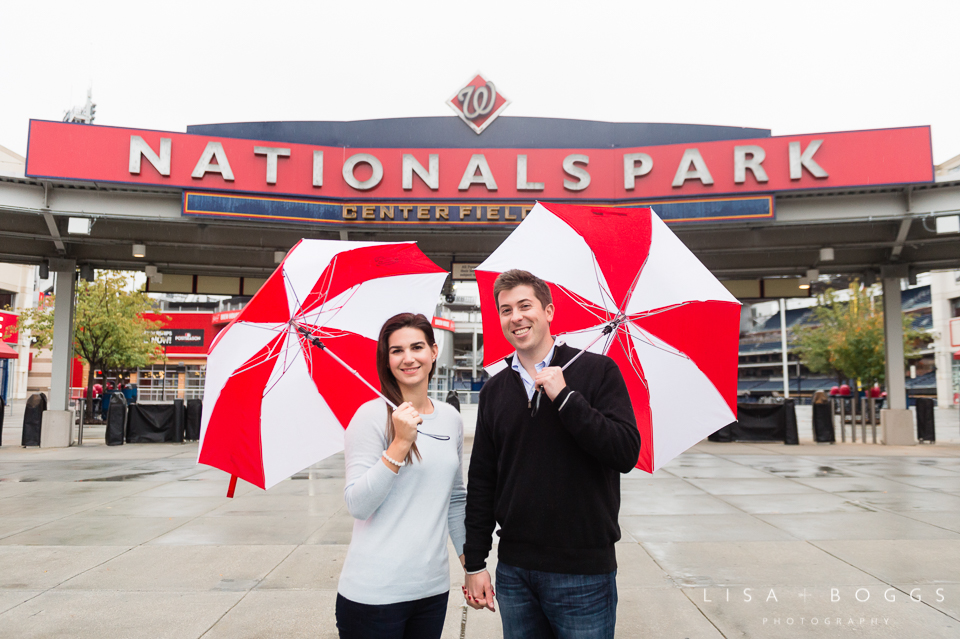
x: 843, y: 419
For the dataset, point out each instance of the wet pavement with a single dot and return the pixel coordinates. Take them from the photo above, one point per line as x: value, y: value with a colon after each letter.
x: 729, y: 540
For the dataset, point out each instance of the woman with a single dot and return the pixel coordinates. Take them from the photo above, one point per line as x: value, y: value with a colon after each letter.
x: 406, y: 493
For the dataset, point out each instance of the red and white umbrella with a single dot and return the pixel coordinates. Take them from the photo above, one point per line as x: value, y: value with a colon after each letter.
x: 274, y: 403
x: 671, y: 326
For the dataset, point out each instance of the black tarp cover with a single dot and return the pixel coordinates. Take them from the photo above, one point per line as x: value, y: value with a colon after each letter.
x: 761, y: 423
x: 823, y: 430
x: 191, y: 429
x: 32, y: 418
x: 116, y: 419
x: 155, y: 423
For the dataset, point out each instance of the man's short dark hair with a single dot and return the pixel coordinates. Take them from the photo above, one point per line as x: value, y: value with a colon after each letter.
x: 513, y: 278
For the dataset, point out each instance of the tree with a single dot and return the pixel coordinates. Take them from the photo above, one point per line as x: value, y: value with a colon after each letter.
x: 849, y: 340
x: 109, y: 330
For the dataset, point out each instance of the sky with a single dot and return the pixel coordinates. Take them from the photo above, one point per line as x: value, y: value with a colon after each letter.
x: 800, y: 67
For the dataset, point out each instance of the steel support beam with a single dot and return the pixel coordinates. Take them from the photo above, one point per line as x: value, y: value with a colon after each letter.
x: 893, y: 341
x: 65, y: 292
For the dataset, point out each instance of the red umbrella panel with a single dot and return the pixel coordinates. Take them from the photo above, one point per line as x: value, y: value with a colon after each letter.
x: 673, y: 328
x: 274, y: 403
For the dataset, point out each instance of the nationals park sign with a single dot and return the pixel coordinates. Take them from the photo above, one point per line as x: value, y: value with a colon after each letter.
x: 265, y: 180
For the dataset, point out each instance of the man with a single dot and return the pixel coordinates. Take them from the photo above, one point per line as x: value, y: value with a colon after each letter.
x: 547, y: 456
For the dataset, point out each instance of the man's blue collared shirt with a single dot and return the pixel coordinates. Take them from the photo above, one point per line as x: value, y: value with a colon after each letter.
x: 528, y: 383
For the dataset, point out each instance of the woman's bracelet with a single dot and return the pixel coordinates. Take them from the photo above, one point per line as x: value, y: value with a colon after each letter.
x: 398, y: 464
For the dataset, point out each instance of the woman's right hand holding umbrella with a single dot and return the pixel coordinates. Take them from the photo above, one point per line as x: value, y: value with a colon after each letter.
x: 405, y: 422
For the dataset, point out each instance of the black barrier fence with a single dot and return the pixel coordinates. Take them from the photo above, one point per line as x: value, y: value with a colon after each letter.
x: 116, y: 420
x: 761, y: 423
x: 191, y: 429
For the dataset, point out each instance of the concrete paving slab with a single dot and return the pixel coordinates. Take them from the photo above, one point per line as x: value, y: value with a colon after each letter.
x: 948, y: 520
x: 481, y: 624
x: 192, y: 488
x: 765, y: 486
x: 13, y: 525
x: 732, y: 527
x: 942, y: 484
x: 908, y: 502
x: 43, y: 567
x: 734, y: 471
x: 707, y: 564
x: 182, y: 568
x: 315, y: 567
x: 643, y: 571
x: 931, y: 561
x: 259, y: 503
x: 337, y: 530
x: 862, y: 484
x: 819, y: 612
x: 667, y: 486
x: 291, y: 614
x: 793, y: 503
x: 28, y: 506
x: 11, y: 598
x: 131, y: 615
x: 862, y: 525
x: 85, y: 530
x: 308, y: 487
x: 150, y: 506
x: 656, y: 504
x: 98, y: 490
x: 648, y: 612
x: 943, y: 597
x: 282, y: 529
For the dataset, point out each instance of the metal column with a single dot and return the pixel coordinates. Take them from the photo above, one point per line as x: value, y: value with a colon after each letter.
x: 893, y: 340
x: 783, y: 346
x: 65, y: 291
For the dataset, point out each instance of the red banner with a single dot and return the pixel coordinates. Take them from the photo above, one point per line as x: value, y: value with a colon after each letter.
x: 60, y: 150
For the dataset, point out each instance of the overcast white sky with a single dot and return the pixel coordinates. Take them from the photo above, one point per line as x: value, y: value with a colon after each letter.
x: 798, y: 67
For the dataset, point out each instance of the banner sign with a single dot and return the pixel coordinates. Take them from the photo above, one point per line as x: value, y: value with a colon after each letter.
x: 430, y: 214
x: 178, y: 336
x: 80, y: 152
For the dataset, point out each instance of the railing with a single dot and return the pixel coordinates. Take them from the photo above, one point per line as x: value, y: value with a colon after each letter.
x: 854, y: 410
x: 465, y: 396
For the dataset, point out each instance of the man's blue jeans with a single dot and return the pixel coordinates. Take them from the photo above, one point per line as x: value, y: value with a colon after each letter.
x: 547, y: 605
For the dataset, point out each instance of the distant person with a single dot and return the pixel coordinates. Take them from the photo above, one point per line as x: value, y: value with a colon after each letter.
x: 453, y: 399
x: 820, y: 397
x: 406, y: 494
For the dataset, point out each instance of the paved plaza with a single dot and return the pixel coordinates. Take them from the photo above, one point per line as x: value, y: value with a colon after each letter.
x: 730, y: 540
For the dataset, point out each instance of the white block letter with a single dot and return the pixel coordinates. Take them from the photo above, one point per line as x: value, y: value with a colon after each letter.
x: 699, y: 170
x: 570, y: 168
x: 748, y: 157
x: 522, y: 183
x: 272, y: 154
x: 800, y: 161
x: 351, y: 164
x: 213, y: 160
x: 318, y: 168
x: 140, y: 148
x: 632, y: 170
x: 470, y: 176
x: 431, y: 178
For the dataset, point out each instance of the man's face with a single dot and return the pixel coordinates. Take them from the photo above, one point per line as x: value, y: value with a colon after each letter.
x: 523, y: 319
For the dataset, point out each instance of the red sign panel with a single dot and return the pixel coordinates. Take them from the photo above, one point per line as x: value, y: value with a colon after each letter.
x: 800, y: 162
x: 184, y: 333
x: 8, y: 322
x: 443, y: 323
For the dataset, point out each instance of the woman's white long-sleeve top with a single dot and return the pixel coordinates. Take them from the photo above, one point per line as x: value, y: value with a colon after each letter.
x: 398, y: 551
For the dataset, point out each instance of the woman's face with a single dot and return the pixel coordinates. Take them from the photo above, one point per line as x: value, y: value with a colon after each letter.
x: 411, y: 357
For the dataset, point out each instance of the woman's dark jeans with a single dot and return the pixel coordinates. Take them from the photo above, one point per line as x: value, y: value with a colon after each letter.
x: 419, y: 619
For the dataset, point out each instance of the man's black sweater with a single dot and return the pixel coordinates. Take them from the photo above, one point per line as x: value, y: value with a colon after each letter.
x: 551, y: 481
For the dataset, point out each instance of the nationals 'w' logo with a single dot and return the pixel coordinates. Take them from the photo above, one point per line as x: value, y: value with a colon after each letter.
x: 478, y: 103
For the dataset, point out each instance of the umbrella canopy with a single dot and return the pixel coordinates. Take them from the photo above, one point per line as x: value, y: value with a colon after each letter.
x: 275, y: 404
x: 672, y: 328
x: 7, y: 353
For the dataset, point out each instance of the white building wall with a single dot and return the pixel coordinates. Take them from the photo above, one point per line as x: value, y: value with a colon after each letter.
x: 944, y: 287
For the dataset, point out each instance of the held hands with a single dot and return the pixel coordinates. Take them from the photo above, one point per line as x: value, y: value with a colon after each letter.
x: 405, y: 422
x: 479, y: 591
x: 550, y: 379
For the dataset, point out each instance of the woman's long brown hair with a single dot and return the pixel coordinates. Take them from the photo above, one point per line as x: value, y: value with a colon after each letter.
x: 388, y: 383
